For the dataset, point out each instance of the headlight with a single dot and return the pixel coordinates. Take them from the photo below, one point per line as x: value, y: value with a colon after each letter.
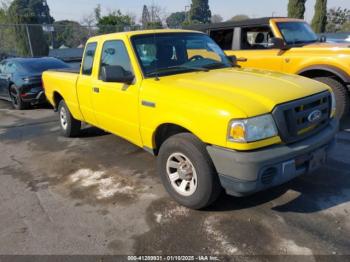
x: 252, y: 129
x: 334, y: 105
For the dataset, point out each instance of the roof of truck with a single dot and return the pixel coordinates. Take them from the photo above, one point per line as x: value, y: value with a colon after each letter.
x: 231, y: 24
x: 139, y: 32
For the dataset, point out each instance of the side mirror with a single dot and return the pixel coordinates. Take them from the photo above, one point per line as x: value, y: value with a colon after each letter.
x: 278, y: 43
x: 116, y: 74
x: 232, y: 59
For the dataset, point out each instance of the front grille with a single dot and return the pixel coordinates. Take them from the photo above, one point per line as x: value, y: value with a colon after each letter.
x: 268, y: 176
x: 293, y: 119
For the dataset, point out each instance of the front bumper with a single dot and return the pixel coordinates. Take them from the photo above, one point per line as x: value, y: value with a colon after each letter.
x: 245, y: 173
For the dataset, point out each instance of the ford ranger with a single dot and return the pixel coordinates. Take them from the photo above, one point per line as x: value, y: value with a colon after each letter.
x: 212, y: 125
x: 289, y: 46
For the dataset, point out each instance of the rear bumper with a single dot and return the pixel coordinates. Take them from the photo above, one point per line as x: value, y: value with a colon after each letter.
x: 245, y: 173
x: 34, y: 98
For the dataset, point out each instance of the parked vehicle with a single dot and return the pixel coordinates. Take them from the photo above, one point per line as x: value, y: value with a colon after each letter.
x: 289, y: 46
x: 20, y: 80
x: 212, y: 125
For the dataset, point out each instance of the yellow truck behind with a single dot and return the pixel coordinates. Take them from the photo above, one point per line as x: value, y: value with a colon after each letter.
x: 289, y: 46
x: 212, y: 125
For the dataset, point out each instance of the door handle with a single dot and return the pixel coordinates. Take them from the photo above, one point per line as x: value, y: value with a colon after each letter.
x: 242, y: 59
x: 96, y: 90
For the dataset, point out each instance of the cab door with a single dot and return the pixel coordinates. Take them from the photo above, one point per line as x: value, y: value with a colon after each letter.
x: 254, y: 49
x: 85, y: 84
x: 116, y: 104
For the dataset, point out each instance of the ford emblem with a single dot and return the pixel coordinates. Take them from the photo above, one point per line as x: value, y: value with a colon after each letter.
x: 314, y: 116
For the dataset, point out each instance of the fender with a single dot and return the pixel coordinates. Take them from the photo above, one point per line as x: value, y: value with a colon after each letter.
x: 332, y: 69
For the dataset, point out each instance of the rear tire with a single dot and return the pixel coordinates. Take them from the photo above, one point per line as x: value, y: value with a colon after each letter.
x: 187, y: 171
x: 341, y: 95
x: 16, y: 100
x: 70, y: 127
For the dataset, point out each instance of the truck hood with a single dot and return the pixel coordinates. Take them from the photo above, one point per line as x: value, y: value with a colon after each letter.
x: 326, y: 48
x: 252, y: 91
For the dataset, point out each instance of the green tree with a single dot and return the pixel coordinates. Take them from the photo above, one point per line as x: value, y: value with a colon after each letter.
x: 216, y: 18
x: 114, y: 22
x: 346, y: 27
x: 7, y: 39
x: 200, y: 12
x: 239, y: 18
x: 34, y: 12
x: 319, y: 22
x: 336, y: 19
x: 296, y: 9
x: 175, y: 20
x: 70, y: 34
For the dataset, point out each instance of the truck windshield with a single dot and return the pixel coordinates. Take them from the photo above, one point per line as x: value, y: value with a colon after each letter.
x: 297, y: 33
x: 176, y: 53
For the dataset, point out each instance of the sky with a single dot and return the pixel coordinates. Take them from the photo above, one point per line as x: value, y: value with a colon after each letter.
x: 77, y: 9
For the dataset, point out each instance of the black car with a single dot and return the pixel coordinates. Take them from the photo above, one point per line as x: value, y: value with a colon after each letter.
x: 20, y: 79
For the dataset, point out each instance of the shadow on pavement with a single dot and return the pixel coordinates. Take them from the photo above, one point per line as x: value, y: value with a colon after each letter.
x: 91, y: 131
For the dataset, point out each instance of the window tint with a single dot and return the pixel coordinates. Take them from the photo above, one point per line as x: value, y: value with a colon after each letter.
x: 223, y: 38
x: 114, y: 53
x: 297, y: 33
x: 89, y: 58
x: 256, y: 38
x: 42, y: 64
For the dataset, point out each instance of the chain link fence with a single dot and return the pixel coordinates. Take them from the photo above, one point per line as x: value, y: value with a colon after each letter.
x: 62, y: 41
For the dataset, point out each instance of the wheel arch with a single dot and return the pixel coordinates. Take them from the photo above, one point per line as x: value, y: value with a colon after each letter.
x: 165, y: 131
x: 57, y: 98
x: 324, y: 71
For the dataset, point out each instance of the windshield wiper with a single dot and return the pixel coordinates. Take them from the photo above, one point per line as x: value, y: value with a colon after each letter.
x: 215, y: 65
x: 169, y: 69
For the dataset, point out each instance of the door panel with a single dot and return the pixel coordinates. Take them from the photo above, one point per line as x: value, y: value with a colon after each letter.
x: 85, y: 85
x: 269, y: 59
x: 116, y: 104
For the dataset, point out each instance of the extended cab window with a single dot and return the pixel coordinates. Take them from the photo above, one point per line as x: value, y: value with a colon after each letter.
x: 224, y: 38
x: 114, y: 53
x: 256, y: 38
x: 89, y: 58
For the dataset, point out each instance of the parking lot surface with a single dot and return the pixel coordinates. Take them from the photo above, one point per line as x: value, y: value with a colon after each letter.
x: 98, y: 194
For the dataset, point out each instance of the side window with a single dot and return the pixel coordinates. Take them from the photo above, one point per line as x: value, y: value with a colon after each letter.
x: 224, y: 38
x: 11, y: 68
x: 114, y: 53
x: 89, y: 58
x: 256, y: 38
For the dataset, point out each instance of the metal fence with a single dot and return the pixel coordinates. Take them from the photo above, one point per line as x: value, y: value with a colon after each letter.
x: 25, y: 40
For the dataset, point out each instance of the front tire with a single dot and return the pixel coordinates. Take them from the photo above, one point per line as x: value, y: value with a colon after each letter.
x: 70, y: 127
x: 187, y: 171
x: 340, y: 93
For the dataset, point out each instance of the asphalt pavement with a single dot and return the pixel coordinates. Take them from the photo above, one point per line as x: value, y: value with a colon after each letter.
x: 99, y: 195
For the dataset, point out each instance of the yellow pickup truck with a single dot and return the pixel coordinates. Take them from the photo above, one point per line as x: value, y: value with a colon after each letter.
x: 289, y: 46
x: 212, y: 125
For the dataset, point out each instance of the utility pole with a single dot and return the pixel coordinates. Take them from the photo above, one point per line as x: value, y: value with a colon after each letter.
x: 29, y: 41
